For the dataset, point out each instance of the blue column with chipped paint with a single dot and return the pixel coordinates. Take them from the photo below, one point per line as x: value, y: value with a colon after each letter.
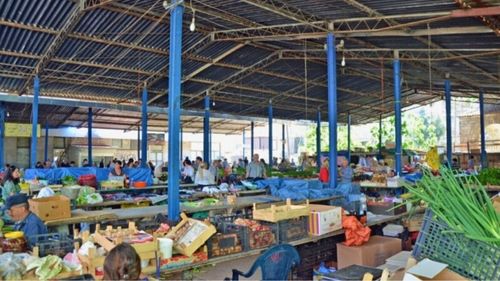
x: 332, y: 108
x: 174, y: 105
x: 397, y: 111
x: 34, y: 121
x: 144, y: 127
x: 206, y: 131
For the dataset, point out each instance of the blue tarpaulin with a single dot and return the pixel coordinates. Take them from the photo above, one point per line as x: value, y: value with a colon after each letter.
x: 296, y: 189
x: 54, y: 176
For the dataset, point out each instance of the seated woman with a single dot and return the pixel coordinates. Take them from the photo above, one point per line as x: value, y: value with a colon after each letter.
x: 188, y: 173
x: 10, y: 182
x: 117, y: 173
x: 204, y: 176
x: 122, y: 263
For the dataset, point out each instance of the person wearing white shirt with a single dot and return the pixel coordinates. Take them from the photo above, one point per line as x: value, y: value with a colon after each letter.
x: 204, y: 176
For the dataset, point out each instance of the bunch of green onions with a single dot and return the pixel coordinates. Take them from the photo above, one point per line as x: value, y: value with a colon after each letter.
x: 461, y: 202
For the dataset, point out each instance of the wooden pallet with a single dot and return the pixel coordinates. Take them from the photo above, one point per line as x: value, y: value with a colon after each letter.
x: 278, y: 213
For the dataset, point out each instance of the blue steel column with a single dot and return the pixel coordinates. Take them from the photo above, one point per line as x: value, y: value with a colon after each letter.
x: 380, y: 137
x: 270, y: 115
x: 89, y: 137
x: 144, y: 143
x: 46, y: 148
x: 243, y: 144
x: 174, y: 106
x: 332, y: 108
x: 447, y: 92
x: 283, y: 142
x: 397, y: 111
x: 349, y: 137
x: 484, y: 162
x: 206, y: 131
x: 181, y: 140
x: 318, y: 141
x: 34, y: 122
x: 2, y: 134
x: 251, y: 140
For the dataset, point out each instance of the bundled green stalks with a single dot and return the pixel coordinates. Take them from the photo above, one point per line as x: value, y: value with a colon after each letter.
x: 461, y: 202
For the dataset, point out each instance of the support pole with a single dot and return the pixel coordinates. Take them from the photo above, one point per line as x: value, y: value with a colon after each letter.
x: 46, y: 148
x: 174, y: 105
x: 318, y: 141
x: 181, y: 140
x: 484, y: 160
x: 206, y: 131
x: 89, y: 138
x: 270, y: 115
x: 2, y: 134
x: 283, y: 142
x: 252, y: 125
x: 380, y: 137
x: 34, y: 122
x: 144, y: 143
x: 397, y: 111
x: 447, y: 92
x: 243, y: 144
x: 332, y: 108
x: 349, y: 137
x: 138, y: 143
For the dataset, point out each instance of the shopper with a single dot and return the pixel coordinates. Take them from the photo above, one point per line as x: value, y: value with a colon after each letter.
x: 85, y: 163
x: 197, y: 163
x: 30, y: 224
x: 324, y: 173
x: 10, y: 182
x: 188, y: 173
x: 39, y: 165
x: 130, y: 163
x: 122, y: 263
x: 470, y: 163
x: 256, y: 169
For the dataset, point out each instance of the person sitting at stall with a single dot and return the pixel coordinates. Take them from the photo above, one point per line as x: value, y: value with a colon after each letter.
x: 17, y: 208
x: 255, y: 169
x: 10, y: 183
x: 117, y: 173
x: 324, y: 173
x: 188, y: 173
x: 203, y: 175
x: 122, y: 263
x: 345, y: 171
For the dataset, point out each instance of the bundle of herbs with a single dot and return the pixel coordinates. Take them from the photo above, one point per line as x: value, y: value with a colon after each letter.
x: 461, y: 202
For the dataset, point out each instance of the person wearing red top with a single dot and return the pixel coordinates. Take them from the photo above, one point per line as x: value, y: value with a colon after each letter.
x: 324, y: 174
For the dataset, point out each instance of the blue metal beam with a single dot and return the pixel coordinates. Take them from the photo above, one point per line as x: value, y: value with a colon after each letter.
x: 397, y: 111
x: 244, y: 143
x: 252, y: 141
x: 206, y: 131
x: 318, y: 141
x: 484, y: 160
x: 46, y: 148
x: 144, y: 126
x: 283, y: 142
x: 138, y: 142
x: 2, y: 134
x: 34, y: 122
x: 332, y: 107
x: 447, y: 92
x: 349, y: 137
x: 174, y: 104
x: 270, y: 115
x: 89, y: 137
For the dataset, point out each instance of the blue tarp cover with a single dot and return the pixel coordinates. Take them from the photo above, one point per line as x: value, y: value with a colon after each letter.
x: 296, y: 189
x: 54, y: 176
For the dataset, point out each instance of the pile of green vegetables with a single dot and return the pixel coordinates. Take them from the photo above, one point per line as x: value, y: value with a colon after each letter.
x: 461, y: 202
x: 489, y: 176
x: 68, y: 180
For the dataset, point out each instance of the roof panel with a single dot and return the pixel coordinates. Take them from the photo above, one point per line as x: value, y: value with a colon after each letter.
x: 47, y: 13
x: 246, y: 56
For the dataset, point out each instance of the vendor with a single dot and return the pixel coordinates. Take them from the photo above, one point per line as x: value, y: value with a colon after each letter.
x: 17, y: 208
x: 117, y: 172
x: 256, y: 170
x: 324, y: 173
x: 10, y: 183
x: 345, y: 171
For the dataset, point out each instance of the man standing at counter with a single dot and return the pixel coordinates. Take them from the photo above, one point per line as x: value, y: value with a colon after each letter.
x: 255, y: 169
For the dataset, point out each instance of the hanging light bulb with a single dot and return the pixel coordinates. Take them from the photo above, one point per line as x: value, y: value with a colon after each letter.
x: 213, y: 103
x: 192, y: 26
x: 342, y: 63
x: 166, y: 5
x: 8, y: 114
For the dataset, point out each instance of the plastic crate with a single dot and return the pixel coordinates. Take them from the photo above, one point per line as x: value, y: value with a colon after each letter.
x: 53, y: 244
x: 472, y: 259
x: 224, y: 244
x: 292, y: 229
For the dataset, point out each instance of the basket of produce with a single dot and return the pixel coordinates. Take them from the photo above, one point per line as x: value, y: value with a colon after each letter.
x: 71, y: 191
x: 89, y: 180
x: 461, y: 227
x: 257, y: 235
x: 68, y: 180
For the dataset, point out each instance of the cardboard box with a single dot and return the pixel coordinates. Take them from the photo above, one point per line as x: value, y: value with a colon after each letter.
x: 324, y: 219
x: 385, y: 208
x: 430, y: 271
x: 190, y: 235
x: 373, y: 253
x: 414, y: 223
x: 51, y: 208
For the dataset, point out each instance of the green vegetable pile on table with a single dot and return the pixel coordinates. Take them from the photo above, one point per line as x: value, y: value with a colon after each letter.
x: 461, y: 202
x: 489, y: 176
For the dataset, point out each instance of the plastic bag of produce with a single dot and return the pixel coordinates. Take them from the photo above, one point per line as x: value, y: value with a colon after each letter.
x: 45, y: 192
x: 94, y: 198
x: 11, y: 267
